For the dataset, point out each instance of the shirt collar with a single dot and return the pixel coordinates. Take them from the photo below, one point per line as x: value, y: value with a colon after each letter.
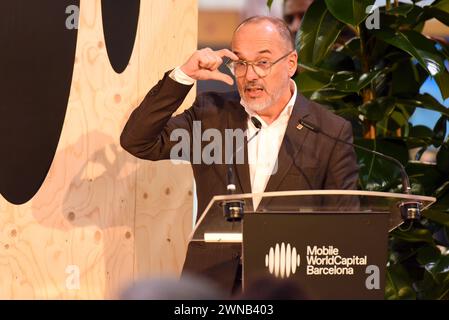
x: 287, y: 111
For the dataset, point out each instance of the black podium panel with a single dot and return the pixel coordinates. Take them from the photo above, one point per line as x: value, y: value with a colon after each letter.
x: 330, y: 255
x: 218, y: 262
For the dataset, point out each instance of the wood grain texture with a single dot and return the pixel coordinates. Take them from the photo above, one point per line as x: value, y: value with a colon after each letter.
x: 163, y: 190
x: 102, y: 214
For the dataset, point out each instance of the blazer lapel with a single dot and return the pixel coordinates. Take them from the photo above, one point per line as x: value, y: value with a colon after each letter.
x: 291, y: 144
x: 239, y: 120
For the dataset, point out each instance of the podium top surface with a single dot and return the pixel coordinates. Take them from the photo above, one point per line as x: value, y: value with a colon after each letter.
x: 212, y: 220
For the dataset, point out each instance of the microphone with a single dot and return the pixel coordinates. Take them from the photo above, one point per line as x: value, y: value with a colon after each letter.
x: 233, y: 209
x: 410, y: 210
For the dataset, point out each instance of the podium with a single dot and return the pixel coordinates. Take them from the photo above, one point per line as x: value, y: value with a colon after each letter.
x: 333, y: 243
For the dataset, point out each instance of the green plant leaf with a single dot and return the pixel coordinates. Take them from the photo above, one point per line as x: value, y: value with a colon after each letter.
x: 327, y: 95
x: 347, y: 81
x: 309, y: 82
x: 352, y: 12
x: 410, y: 18
x: 421, y: 131
x: 439, y: 130
x: 318, y: 32
x: 352, y: 47
x: 348, y: 112
x: 443, y: 158
x: 333, y: 78
x: 442, y: 204
x: 398, y: 285
x: 437, y: 216
x: 415, y: 44
x: 416, y: 142
x: 337, y: 61
x: 428, y: 254
x: 378, y: 109
x: 440, y: 266
x: 443, y: 7
x: 269, y: 3
x: 442, y: 190
x: 431, y: 287
x: 423, y: 177
x: 442, y: 79
x: 441, y: 4
x: 419, y: 15
x: 405, y: 79
x: 437, y: 13
x: 425, y: 101
x: 376, y: 173
x: 399, y: 120
x: 414, y: 235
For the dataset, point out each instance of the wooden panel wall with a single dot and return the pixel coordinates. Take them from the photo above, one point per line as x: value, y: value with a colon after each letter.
x: 102, y: 217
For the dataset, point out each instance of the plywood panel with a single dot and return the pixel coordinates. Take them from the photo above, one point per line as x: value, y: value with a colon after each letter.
x: 90, y: 229
x: 164, y: 190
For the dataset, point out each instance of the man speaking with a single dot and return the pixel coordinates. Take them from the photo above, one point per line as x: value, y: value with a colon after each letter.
x: 283, y: 155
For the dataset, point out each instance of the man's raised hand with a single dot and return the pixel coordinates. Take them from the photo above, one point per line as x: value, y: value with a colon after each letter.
x: 204, y: 63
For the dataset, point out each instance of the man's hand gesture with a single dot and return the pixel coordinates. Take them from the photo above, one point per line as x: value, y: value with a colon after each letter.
x: 204, y: 63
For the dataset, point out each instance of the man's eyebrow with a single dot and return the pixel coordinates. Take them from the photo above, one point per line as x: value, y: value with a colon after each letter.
x: 259, y: 52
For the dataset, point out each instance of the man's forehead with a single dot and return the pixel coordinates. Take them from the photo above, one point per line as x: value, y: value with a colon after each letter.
x: 244, y: 54
x: 253, y: 34
x: 262, y: 26
x: 259, y: 46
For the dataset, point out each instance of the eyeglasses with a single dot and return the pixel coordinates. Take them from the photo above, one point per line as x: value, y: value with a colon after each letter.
x: 261, y: 67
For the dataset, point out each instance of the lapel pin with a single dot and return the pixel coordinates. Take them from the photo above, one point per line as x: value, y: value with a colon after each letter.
x: 299, y: 126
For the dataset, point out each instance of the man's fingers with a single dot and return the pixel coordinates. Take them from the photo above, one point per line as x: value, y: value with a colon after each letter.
x: 204, y: 62
x: 227, y: 53
x: 210, y: 61
x: 217, y: 75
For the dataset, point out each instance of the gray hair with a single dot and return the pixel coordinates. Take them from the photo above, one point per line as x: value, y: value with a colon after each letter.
x: 280, y: 25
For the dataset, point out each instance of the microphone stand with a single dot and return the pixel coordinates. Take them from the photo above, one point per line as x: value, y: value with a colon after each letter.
x: 233, y: 210
x: 410, y: 209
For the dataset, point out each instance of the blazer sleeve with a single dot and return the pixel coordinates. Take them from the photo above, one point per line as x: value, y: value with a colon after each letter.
x: 147, y: 132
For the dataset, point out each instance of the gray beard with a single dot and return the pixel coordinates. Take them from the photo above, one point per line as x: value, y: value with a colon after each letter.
x: 260, y: 106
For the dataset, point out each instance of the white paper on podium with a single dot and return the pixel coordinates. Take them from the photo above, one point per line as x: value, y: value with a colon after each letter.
x: 223, y: 237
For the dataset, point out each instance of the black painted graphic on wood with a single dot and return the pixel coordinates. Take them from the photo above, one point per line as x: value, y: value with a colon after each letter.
x: 120, y: 20
x: 36, y: 63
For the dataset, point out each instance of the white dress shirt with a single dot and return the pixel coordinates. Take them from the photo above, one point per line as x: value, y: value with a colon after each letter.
x: 263, y: 150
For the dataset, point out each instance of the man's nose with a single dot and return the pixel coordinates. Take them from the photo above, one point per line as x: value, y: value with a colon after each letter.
x: 250, y: 73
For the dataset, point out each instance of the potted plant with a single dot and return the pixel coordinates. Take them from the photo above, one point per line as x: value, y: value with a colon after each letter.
x: 368, y: 64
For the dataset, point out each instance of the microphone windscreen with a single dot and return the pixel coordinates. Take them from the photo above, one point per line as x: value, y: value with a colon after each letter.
x: 256, y: 122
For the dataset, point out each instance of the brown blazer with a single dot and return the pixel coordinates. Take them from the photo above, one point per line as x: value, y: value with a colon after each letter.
x: 306, y: 160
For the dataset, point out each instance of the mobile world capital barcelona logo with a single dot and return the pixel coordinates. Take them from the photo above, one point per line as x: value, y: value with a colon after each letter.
x: 283, y: 260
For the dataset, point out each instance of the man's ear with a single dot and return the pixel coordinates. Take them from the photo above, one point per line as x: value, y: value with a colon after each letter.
x: 292, y: 63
